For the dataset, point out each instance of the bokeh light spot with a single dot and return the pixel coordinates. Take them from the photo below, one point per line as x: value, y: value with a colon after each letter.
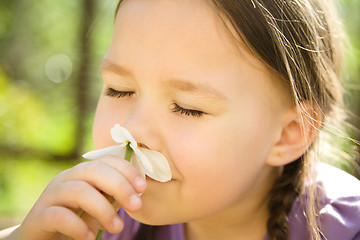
x: 58, y: 68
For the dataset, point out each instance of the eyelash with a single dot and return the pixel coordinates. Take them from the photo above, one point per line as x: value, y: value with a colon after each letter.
x: 175, y: 107
x: 188, y: 112
x: 119, y: 94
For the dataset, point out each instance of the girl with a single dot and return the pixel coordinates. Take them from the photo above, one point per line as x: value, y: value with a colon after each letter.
x: 234, y: 94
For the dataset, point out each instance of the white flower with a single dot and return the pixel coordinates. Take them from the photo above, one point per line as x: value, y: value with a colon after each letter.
x: 148, y: 162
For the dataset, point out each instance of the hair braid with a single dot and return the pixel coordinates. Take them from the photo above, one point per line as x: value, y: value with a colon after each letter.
x: 282, y: 195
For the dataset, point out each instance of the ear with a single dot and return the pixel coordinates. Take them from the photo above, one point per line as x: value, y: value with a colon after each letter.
x: 300, y: 126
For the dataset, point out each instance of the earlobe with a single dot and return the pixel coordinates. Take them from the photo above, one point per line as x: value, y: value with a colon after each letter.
x: 300, y: 127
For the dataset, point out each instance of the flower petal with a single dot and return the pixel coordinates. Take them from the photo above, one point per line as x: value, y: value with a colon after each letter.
x: 121, y: 135
x: 114, y: 150
x: 161, y: 169
x: 143, y: 160
x: 136, y: 163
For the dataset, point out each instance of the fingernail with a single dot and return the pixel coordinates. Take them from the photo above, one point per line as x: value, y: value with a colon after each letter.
x: 117, y: 223
x: 140, y: 183
x: 135, y: 201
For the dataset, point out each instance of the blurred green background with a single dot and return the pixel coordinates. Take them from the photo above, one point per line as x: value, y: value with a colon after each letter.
x: 50, y: 53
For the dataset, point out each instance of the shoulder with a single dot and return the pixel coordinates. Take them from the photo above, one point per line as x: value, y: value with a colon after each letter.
x: 340, y: 206
x: 336, y: 183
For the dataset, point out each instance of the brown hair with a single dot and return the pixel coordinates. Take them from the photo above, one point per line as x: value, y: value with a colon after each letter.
x: 301, y: 41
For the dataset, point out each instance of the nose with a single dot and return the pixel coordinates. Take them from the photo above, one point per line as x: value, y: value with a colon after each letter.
x: 141, y: 123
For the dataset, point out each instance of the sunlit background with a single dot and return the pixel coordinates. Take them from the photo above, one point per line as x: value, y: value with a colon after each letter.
x: 50, y: 53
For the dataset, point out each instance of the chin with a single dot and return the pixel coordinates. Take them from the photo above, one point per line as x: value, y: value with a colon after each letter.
x: 156, y: 212
x: 161, y: 204
x: 153, y: 219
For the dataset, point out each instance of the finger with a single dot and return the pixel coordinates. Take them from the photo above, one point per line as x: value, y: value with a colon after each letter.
x: 127, y: 170
x: 62, y: 220
x: 79, y: 194
x: 92, y: 223
x: 87, y: 170
x: 108, y: 180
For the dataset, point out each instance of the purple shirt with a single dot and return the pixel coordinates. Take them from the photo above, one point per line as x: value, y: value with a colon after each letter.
x: 339, y: 215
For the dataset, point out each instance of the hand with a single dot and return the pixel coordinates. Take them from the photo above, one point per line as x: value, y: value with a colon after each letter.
x: 77, y: 201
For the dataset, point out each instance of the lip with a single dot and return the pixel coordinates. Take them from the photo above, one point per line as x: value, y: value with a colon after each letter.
x: 143, y: 146
x: 149, y: 179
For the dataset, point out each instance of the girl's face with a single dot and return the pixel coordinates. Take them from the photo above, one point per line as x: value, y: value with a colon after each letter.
x: 177, y: 79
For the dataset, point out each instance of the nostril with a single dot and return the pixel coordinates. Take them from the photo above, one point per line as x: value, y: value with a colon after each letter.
x: 143, y: 145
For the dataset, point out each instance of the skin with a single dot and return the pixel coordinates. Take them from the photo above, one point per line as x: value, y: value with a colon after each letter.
x: 218, y: 160
x: 165, y: 55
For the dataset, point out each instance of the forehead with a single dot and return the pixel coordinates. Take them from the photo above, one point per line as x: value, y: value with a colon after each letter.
x: 171, y: 26
x: 188, y: 39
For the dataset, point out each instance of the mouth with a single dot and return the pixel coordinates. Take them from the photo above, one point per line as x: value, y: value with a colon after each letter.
x: 143, y: 146
x: 149, y: 179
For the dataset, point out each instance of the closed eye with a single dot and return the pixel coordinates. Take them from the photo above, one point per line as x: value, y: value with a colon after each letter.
x: 188, y: 112
x: 119, y: 94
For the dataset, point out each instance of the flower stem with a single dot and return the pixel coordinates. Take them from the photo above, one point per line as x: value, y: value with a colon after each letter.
x: 100, y: 232
x: 127, y: 157
x: 128, y: 152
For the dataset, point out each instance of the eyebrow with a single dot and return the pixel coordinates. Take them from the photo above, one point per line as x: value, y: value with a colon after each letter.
x: 115, y: 68
x: 191, y: 86
x: 180, y: 84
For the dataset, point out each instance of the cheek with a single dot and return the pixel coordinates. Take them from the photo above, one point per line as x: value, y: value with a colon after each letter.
x: 209, y: 147
x: 224, y: 157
